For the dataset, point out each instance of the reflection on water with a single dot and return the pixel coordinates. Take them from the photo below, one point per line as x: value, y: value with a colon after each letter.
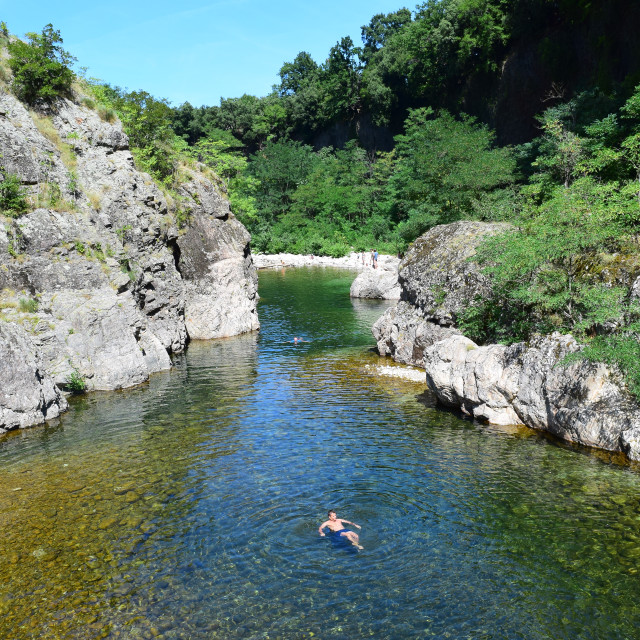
x: 188, y: 507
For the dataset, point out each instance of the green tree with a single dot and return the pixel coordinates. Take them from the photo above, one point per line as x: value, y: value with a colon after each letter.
x: 13, y: 201
x: 340, y: 80
x: 271, y: 121
x: 280, y: 167
x: 444, y: 166
x: 547, y: 269
x: 631, y: 144
x: 424, y: 61
x: 335, y: 190
x: 296, y: 75
x: 192, y: 123
x: 41, y: 67
x: 380, y: 28
x: 148, y: 123
x: 239, y: 115
x: 340, y: 201
x: 220, y: 151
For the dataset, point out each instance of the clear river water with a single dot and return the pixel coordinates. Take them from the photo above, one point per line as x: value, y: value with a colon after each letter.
x: 188, y: 507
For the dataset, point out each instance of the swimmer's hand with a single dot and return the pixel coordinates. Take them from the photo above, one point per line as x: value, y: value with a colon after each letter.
x: 322, y: 534
x: 357, y: 525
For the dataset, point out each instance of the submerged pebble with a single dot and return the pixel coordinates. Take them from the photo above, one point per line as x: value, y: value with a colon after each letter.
x: 175, y: 521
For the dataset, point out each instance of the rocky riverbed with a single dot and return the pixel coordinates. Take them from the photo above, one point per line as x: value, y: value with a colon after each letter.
x: 105, y: 277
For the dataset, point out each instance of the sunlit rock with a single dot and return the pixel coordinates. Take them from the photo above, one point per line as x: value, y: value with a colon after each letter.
x: 531, y: 384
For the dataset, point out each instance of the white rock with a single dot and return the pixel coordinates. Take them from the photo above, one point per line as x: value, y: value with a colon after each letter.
x: 582, y: 402
x: 378, y: 283
x: 404, y: 373
x: 27, y: 394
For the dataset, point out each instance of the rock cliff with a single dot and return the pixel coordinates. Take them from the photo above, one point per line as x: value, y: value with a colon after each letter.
x: 97, y: 281
x: 531, y: 384
x: 436, y: 281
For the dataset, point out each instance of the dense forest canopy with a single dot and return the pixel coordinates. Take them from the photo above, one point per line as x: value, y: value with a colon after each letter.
x: 524, y: 111
x: 500, y: 61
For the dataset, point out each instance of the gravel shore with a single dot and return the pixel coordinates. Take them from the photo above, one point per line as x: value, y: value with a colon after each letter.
x: 351, y: 261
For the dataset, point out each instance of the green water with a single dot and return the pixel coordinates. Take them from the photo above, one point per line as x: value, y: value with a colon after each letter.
x: 189, y: 507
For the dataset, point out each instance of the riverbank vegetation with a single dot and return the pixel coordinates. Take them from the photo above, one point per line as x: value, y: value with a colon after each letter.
x: 526, y: 112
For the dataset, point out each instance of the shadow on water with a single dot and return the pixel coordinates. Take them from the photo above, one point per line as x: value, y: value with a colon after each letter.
x: 188, y: 507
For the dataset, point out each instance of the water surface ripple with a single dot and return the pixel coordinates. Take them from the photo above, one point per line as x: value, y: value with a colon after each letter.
x: 188, y: 507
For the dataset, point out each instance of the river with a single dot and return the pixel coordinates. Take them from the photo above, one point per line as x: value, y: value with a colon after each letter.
x: 188, y: 507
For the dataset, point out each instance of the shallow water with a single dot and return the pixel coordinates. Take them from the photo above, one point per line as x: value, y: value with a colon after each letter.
x: 189, y: 507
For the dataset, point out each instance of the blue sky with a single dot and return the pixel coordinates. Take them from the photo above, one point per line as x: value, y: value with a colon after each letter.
x: 198, y: 50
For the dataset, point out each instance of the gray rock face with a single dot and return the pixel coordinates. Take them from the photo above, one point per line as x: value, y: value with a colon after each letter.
x: 221, y: 281
x: 24, y: 150
x: 96, y: 333
x: 114, y: 278
x: 436, y: 275
x: 27, y: 394
x: 381, y: 283
x: 582, y: 402
x: 437, y: 281
x: 404, y: 334
x: 520, y: 384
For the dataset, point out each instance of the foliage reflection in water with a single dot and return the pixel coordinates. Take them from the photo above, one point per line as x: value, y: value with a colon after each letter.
x: 188, y: 507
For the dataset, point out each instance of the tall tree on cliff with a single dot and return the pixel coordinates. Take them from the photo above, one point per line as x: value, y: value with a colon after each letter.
x: 40, y: 67
x: 445, y: 165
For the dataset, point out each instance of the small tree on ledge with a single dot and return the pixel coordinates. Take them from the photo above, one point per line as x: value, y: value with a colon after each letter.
x: 40, y: 67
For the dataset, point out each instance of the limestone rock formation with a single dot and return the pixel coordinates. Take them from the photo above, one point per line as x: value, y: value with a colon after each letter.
x: 436, y: 274
x: 437, y: 280
x: 581, y: 402
x: 379, y: 283
x: 527, y: 384
x: 27, y: 394
x: 404, y: 334
x: 98, y: 274
x: 220, y: 279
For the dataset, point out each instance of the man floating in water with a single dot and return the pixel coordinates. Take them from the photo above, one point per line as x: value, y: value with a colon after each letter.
x: 337, y: 528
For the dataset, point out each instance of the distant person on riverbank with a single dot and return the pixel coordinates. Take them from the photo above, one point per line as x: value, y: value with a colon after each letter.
x: 375, y: 259
x: 336, y: 525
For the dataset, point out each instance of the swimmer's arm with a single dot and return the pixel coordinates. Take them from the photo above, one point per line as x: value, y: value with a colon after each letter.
x: 352, y: 523
x: 322, y: 526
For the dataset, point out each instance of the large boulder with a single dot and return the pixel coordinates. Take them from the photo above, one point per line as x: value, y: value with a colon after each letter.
x: 437, y: 276
x: 404, y: 334
x: 530, y: 384
x: 221, y: 283
x: 582, y: 402
x: 27, y: 394
x: 437, y: 281
x: 381, y: 283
